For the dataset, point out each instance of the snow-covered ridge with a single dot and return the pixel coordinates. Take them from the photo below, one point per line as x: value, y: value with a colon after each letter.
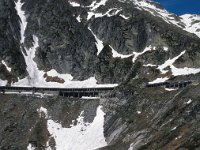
x: 189, y: 23
x: 156, y: 10
x: 82, y: 136
x: 192, y: 23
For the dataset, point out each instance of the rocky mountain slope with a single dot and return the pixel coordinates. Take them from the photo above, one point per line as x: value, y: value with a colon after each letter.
x: 77, y: 43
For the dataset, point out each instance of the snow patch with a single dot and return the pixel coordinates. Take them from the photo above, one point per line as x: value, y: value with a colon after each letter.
x: 192, y: 23
x: 81, y: 136
x: 74, y: 4
x: 3, y: 82
x: 170, y: 89
x: 169, y: 62
x: 43, y: 110
x: 159, y: 80
x: 99, y: 43
x: 111, y: 12
x: 149, y: 65
x: 136, y: 54
x: 21, y: 14
x: 30, y: 147
x: 188, y: 102
x: 139, y: 112
x: 8, y: 68
x: 184, y: 71
x: 78, y: 18
x: 97, y: 5
x: 173, y: 128
x: 123, y: 16
x: 116, y: 54
x: 165, y: 48
x: 85, y: 97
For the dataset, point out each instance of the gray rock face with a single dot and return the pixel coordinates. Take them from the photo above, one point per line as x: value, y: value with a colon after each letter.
x: 10, y: 38
x: 155, y: 119
x: 68, y: 46
x: 65, y: 44
x: 139, y: 118
x: 109, y: 69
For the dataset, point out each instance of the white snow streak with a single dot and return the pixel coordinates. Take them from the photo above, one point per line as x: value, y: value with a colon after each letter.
x: 74, y: 4
x: 4, y: 63
x: 136, y: 54
x: 99, y: 43
x: 114, y: 11
x: 81, y: 136
x: 159, y: 80
x: 169, y: 62
x: 97, y: 5
x: 123, y: 16
x: 21, y: 13
x: 116, y: 54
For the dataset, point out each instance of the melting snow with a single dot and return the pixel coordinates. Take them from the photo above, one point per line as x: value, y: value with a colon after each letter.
x: 108, y: 13
x: 123, y: 16
x: 165, y: 48
x: 159, y: 80
x: 81, y: 136
x: 97, y: 5
x: 139, y: 112
x: 183, y: 71
x: 188, y: 102
x: 192, y: 23
x: 149, y: 65
x: 99, y: 43
x: 136, y: 55
x: 74, y: 4
x: 170, y: 89
x: 78, y: 18
x: 30, y: 147
x: 8, y: 68
x: 35, y: 77
x: 44, y: 110
x: 173, y: 128
x: 169, y: 62
x: 154, y: 10
x: 21, y: 13
x: 175, y: 71
x: 116, y: 54
x: 3, y: 82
